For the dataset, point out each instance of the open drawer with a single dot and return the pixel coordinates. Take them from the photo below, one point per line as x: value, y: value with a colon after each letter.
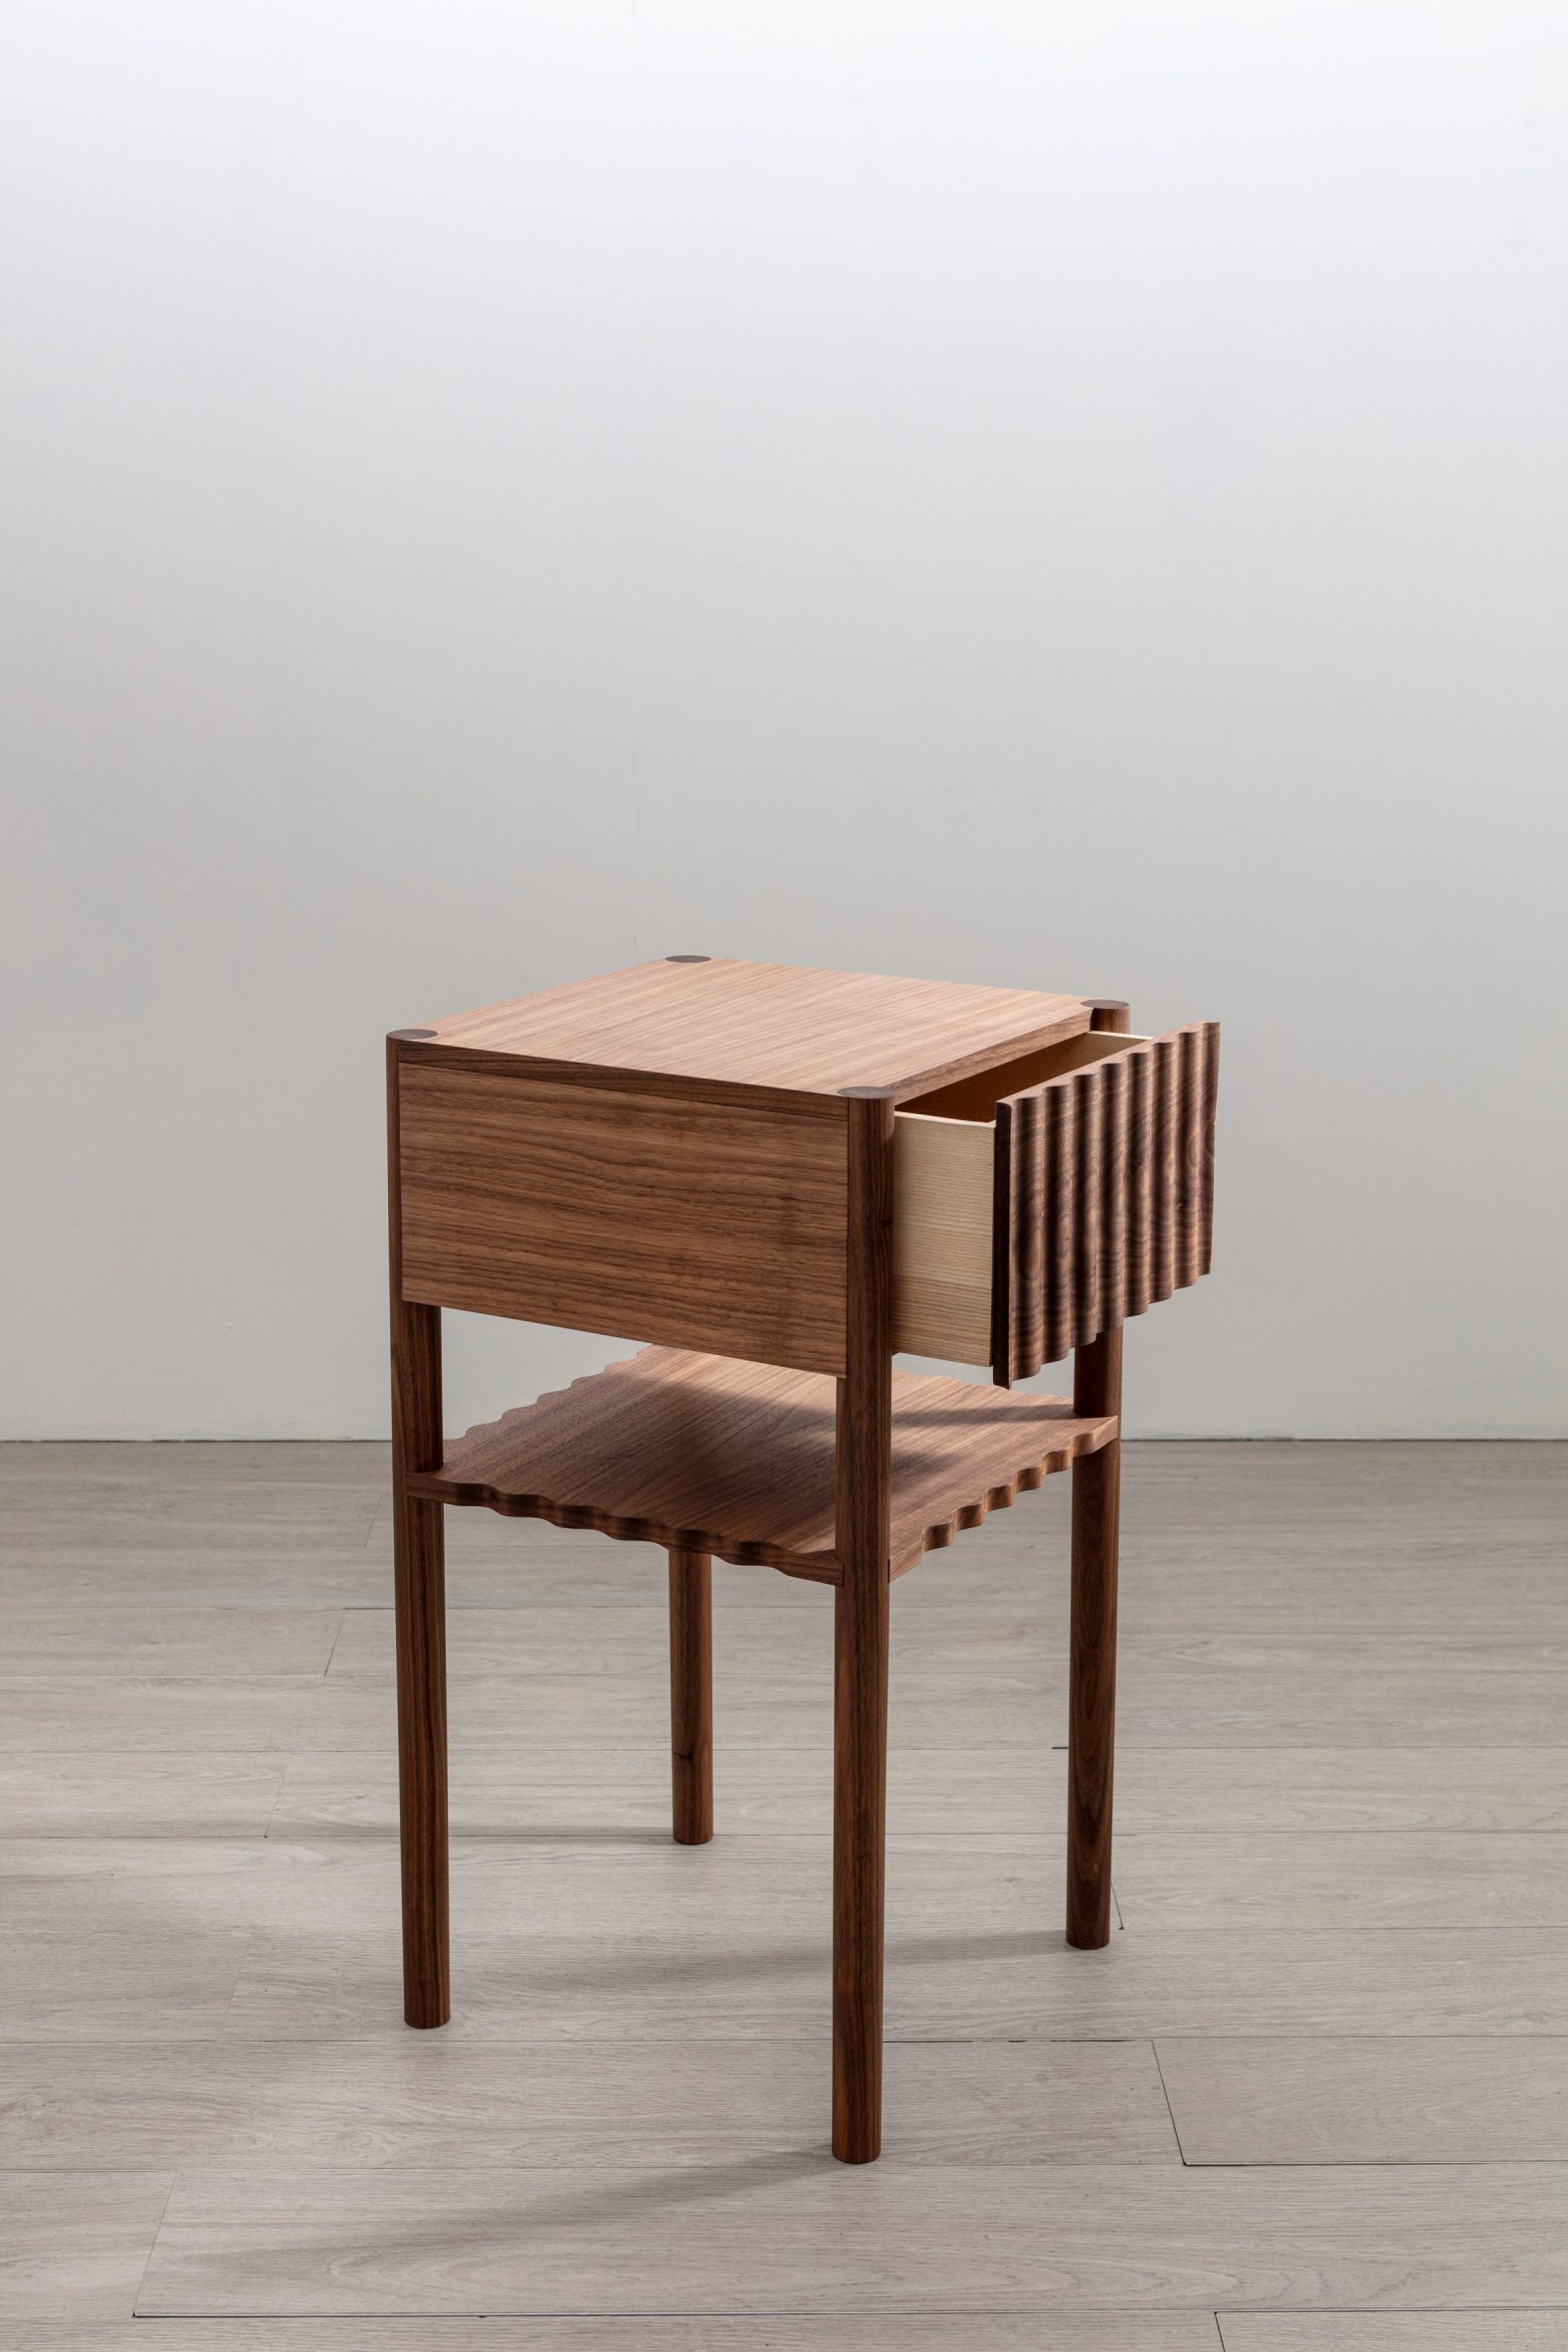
x: 1038, y: 1203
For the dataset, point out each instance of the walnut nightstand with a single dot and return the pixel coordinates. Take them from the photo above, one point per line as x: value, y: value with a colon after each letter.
x: 780, y: 1179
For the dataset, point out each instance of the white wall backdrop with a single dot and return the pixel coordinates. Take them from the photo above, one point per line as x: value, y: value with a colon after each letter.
x: 1056, y: 496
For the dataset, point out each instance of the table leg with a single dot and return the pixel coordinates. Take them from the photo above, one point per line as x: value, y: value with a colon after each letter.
x: 860, y: 1615
x: 1092, y: 1705
x: 419, y: 1555
x: 860, y: 1802
x: 691, y: 1695
x: 420, y: 1597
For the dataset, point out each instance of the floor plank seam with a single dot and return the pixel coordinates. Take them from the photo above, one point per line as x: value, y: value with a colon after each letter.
x: 337, y: 1637
x: 141, y: 2284
x: 1170, y: 2109
x: 812, y: 2313
x: 1374, y: 2163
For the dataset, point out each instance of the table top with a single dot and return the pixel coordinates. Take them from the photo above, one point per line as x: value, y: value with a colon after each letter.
x: 718, y: 1022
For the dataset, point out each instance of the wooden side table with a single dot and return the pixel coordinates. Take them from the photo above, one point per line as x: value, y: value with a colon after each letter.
x: 780, y: 1179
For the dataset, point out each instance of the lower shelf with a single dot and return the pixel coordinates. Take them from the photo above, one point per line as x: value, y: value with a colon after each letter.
x: 737, y: 1458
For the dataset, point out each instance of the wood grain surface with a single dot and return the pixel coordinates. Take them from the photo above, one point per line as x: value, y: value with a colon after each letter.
x: 738, y: 1460
x: 1341, y: 1871
x: 1042, y: 1201
x: 838, y: 2331
x: 955, y: 1209
x: 692, y: 1695
x: 1105, y: 1201
x: 864, y: 1471
x: 996, y: 1692
x: 773, y: 1027
x: 420, y: 1600
x: 997, y: 1980
x: 1096, y: 1564
x: 1414, y: 2100
x: 772, y: 1789
x: 974, y: 1098
x: 942, y: 1236
x: 1394, y: 2331
x: 701, y: 1223
x: 1091, y: 1681
x: 780, y: 2234
x: 563, y: 2106
x: 76, y: 2242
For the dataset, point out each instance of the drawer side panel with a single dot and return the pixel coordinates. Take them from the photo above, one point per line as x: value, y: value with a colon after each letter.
x: 694, y: 1223
x: 942, y: 1239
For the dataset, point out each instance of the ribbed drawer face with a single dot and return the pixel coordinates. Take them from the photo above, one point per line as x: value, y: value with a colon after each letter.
x: 1029, y: 1222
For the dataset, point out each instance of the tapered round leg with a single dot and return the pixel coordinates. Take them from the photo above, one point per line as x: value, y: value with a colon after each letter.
x: 1091, y: 1705
x: 420, y: 1596
x: 421, y: 1760
x: 860, y: 1805
x: 692, y: 1695
x: 859, y: 1617
x: 419, y: 1565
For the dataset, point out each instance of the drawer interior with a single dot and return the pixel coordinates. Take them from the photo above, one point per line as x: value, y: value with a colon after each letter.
x: 976, y: 1097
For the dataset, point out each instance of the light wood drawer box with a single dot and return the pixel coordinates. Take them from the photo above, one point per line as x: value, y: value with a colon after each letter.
x: 1042, y: 1202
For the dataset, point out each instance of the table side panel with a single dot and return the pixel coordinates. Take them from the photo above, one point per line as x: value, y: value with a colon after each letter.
x: 687, y: 1222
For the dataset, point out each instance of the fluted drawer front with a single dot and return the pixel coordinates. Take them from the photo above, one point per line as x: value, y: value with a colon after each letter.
x: 1029, y: 1222
x: 1103, y: 1195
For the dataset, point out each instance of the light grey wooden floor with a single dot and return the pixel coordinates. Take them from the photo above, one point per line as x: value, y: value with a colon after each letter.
x: 1315, y: 2098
